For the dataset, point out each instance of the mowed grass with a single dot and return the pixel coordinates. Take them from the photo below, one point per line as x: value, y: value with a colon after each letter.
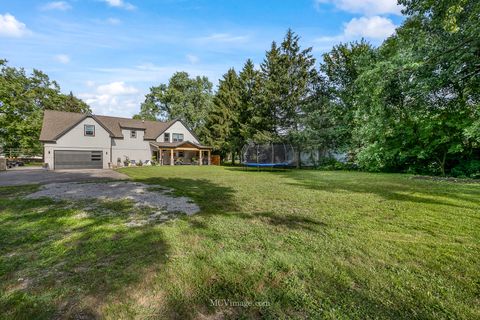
x: 285, y: 244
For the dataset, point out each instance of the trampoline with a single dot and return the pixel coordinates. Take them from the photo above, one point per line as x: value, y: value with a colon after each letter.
x: 271, y: 155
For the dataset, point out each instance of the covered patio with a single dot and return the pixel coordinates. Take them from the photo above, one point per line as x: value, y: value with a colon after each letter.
x: 181, y: 153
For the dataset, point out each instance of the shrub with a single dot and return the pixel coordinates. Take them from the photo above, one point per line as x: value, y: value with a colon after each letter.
x: 467, y: 169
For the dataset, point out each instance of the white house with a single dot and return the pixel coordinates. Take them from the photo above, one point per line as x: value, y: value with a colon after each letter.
x: 77, y: 141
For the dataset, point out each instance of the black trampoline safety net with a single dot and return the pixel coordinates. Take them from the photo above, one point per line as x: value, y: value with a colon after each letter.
x: 268, y: 154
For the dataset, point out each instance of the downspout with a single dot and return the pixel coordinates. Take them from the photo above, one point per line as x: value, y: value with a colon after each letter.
x: 111, y: 148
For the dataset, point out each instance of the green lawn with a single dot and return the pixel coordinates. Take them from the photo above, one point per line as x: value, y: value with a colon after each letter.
x: 293, y: 244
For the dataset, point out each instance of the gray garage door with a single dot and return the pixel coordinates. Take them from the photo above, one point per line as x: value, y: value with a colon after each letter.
x: 77, y: 159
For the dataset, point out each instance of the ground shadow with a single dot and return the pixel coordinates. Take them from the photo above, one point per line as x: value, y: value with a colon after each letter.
x: 404, y: 192
x: 289, y: 221
x: 210, y: 197
x: 61, y: 262
x: 401, y: 188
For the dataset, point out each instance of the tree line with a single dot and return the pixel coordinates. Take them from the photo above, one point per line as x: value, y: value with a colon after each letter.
x: 409, y: 105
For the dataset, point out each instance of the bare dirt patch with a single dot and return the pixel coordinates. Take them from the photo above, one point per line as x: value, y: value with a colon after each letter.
x: 141, y: 194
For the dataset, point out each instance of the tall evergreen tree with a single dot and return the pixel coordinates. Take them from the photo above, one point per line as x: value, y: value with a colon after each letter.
x: 288, y: 73
x: 250, y: 114
x: 270, y: 99
x: 223, y: 126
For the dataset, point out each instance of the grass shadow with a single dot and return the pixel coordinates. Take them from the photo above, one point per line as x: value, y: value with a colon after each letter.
x: 286, y: 221
x: 404, y: 191
x: 211, y: 197
x: 60, y: 261
x: 402, y: 188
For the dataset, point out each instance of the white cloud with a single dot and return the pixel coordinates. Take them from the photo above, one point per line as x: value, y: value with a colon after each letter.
x: 57, y: 5
x: 11, y: 27
x: 192, y: 58
x: 104, y: 98
x: 111, y: 105
x: 148, y: 73
x: 222, y: 37
x: 372, y: 27
x: 365, y: 7
x: 118, y: 88
x: 120, y: 4
x: 62, y: 58
x: 115, y: 98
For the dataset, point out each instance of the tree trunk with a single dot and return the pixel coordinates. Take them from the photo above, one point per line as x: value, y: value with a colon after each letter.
x: 442, y: 163
x: 233, y: 158
x: 299, y: 160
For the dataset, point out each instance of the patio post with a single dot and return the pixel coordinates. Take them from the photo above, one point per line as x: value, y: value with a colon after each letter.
x: 209, y: 158
x: 200, y: 157
x: 160, y: 157
x: 171, y: 158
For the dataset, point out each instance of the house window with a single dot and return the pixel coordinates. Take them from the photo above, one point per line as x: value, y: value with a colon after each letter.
x: 89, y: 130
x: 133, y: 134
x: 166, y: 137
x: 177, y: 137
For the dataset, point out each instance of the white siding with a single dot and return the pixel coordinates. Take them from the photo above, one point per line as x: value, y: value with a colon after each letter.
x: 133, y: 148
x: 178, y: 127
x: 76, y: 140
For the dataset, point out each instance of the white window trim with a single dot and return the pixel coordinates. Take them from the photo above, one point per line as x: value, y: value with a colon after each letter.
x: 178, y: 135
x: 85, y: 130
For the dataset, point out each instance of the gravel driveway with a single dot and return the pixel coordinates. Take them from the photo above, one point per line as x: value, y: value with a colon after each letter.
x: 141, y: 194
x: 32, y: 175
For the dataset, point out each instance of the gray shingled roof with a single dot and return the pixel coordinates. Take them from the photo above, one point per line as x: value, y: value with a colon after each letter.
x: 57, y: 123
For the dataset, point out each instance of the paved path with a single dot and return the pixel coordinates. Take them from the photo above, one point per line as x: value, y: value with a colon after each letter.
x: 32, y: 175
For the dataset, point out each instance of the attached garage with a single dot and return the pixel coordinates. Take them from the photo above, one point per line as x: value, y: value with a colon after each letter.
x: 78, y: 159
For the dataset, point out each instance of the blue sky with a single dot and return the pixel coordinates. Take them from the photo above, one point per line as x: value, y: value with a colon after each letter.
x: 109, y: 52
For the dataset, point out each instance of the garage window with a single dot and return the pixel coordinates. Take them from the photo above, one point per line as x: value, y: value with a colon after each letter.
x: 133, y: 134
x: 96, y: 156
x: 89, y: 130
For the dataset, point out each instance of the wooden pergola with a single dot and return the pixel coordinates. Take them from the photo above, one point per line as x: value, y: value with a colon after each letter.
x: 185, y: 146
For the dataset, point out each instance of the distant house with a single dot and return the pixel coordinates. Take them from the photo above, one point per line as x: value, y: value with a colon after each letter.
x: 78, y: 141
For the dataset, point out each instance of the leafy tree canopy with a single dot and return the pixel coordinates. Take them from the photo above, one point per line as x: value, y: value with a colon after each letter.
x: 23, y: 98
x: 185, y: 98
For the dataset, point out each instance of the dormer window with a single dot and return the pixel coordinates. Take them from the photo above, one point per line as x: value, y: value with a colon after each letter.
x: 177, y: 137
x: 89, y: 130
x: 133, y: 134
x: 166, y: 137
